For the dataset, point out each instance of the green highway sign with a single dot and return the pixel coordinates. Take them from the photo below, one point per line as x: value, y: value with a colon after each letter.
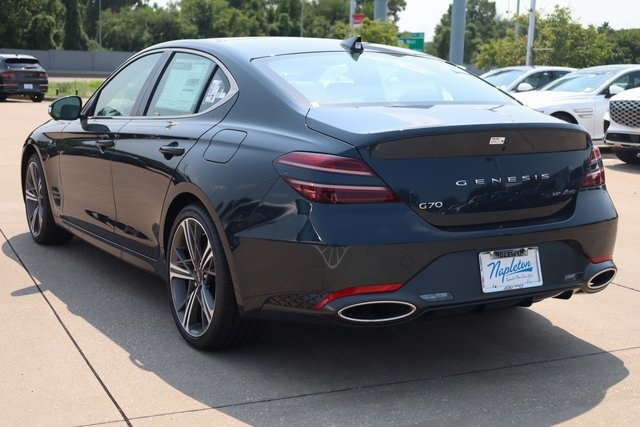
x: 414, y: 42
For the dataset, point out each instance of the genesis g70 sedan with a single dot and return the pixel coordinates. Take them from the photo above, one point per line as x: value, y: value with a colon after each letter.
x: 322, y: 180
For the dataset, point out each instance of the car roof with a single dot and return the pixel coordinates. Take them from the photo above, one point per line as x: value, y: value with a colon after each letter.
x: 611, y: 67
x: 18, y: 56
x: 248, y: 48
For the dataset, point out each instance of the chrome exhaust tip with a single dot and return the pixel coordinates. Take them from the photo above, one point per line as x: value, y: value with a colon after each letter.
x: 377, y: 311
x: 600, y: 280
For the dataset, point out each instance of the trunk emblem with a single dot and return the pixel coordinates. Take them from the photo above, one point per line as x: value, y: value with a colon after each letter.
x: 497, y: 140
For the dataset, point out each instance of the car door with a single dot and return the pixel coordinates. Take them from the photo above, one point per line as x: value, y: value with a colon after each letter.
x: 181, y: 108
x: 86, y: 150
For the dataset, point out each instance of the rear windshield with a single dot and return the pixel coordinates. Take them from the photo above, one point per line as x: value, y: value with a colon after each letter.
x: 22, y: 61
x: 376, y: 78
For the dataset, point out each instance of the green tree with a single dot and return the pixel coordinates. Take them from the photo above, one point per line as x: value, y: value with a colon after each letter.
x: 17, y: 25
x: 559, y: 40
x: 371, y: 31
x: 482, y: 24
x: 626, y: 46
x: 74, y: 35
x: 41, y: 32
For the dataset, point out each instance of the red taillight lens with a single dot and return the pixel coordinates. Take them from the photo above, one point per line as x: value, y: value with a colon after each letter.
x: 357, y: 290
x: 594, y: 176
x: 332, y: 193
x: 326, y: 163
x: 7, y: 75
x: 43, y: 75
x: 344, y: 192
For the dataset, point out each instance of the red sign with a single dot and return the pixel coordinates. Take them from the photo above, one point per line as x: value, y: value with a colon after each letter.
x: 357, y: 19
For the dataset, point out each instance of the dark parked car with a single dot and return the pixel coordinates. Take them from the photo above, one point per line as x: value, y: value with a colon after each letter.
x: 320, y: 180
x: 22, y: 75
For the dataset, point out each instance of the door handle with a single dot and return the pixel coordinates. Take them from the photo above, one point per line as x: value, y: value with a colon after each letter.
x: 105, y: 143
x: 171, y: 150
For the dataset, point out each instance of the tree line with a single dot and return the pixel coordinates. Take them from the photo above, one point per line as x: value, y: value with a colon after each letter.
x: 131, y: 25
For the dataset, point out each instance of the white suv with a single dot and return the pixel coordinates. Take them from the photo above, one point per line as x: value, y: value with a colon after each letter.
x: 622, y: 125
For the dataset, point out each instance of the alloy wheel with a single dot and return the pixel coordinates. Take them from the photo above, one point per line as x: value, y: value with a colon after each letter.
x: 192, y: 277
x: 34, y: 198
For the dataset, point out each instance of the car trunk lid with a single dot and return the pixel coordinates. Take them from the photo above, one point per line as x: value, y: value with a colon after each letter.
x: 476, y: 173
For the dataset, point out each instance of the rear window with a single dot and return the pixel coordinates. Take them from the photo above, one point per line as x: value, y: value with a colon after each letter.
x: 22, y: 61
x: 376, y: 78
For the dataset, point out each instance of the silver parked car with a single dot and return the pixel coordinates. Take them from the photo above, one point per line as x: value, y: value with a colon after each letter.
x: 524, y: 78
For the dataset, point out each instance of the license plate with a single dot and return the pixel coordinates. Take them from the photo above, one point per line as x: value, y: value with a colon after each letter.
x: 507, y: 269
x: 28, y: 86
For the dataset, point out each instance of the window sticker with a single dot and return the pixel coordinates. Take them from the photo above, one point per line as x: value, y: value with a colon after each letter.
x: 213, y: 92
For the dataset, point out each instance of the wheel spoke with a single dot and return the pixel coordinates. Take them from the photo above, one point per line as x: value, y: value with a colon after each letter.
x: 207, y: 302
x: 179, y: 272
x: 30, y: 196
x: 189, y: 308
x: 190, y: 238
x: 34, y: 220
x: 206, y: 263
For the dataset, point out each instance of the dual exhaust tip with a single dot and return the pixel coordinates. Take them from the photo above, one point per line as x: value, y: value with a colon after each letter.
x: 372, y: 312
x: 599, y: 280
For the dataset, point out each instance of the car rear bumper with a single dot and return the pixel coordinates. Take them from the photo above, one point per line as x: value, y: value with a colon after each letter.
x: 440, y: 273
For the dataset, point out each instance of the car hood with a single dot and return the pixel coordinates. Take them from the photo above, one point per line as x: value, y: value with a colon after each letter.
x: 361, y: 125
x: 539, y: 99
x: 628, y: 95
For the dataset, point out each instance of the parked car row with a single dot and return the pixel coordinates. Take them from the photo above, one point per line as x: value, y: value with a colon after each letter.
x: 583, y: 97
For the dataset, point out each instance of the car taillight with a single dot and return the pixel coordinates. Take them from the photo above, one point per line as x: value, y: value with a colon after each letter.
x: 43, y: 76
x: 7, y: 75
x: 594, y: 176
x: 358, y: 290
x: 320, y: 191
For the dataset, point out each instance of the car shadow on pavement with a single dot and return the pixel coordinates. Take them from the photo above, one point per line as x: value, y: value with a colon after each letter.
x: 625, y: 167
x: 506, y: 366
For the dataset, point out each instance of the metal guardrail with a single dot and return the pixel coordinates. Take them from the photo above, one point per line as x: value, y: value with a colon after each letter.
x: 71, y: 63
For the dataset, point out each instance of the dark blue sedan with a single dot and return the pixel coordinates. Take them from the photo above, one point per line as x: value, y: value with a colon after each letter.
x: 322, y: 180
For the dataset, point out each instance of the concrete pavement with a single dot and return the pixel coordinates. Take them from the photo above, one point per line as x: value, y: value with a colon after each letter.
x: 89, y: 340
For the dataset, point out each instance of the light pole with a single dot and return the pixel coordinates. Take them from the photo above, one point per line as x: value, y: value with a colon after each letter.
x: 301, y: 18
x: 100, y: 23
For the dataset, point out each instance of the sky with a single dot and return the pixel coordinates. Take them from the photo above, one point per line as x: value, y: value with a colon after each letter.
x: 422, y: 16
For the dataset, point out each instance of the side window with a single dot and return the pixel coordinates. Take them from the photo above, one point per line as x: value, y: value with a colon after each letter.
x: 217, y: 90
x: 539, y: 79
x: 182, y: 86
x: 119, y: 96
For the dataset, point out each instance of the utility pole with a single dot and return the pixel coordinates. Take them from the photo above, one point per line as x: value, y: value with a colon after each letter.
x: 352, y: 11
x: 532, y: 26
x: 100, y: 23
x: 458, y: 22
x: 301, y: 18
x: 517, y: 14
x: 380, y: 10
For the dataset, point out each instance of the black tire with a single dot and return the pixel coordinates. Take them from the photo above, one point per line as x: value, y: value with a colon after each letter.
x: 42, y: 226
x: 3, y: 98
x: 37, y: 98
x: 200, y: 287
x: 628, y: 155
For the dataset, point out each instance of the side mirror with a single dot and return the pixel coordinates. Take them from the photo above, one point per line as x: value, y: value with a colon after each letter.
x: 524, y: 87
x: 614, y: 90
x: 66, y: 108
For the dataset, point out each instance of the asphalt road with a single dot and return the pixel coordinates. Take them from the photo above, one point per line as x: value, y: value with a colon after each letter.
x: 88, y: 340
